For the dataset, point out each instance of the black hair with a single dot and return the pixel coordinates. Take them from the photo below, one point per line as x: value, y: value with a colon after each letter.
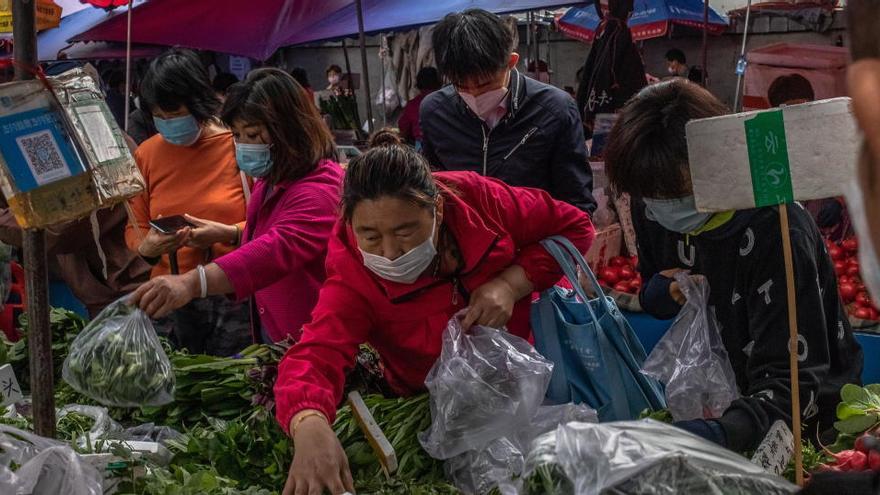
x: 301, y: 76
x: 393, y: 171
x: 620, y: 9
x: 300, y: 138
x: 333, y: 68
x: 177, y: 78
x: 647, y: 153
x: 790, y: 87
x: 223, y: 80
x: 472, y: 44
x: 428, y: 78
x: 676, y: 55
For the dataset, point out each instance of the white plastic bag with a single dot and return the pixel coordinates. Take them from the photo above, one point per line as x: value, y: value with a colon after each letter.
x: 118, y: 360
x: 691, y: 360
x: 486, y: 384
x: 103, y: 427
x: 33, y: 465
x: 649, y: 457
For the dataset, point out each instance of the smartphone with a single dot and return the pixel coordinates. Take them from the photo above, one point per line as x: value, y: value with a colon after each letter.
x: 170, y: 225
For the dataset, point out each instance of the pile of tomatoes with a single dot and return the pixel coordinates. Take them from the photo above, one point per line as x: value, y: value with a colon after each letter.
x: 621, y: 275
x: 849, y: 281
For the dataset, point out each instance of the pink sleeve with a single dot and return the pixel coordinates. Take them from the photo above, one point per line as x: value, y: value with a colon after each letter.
x: 532, y: 215
x: 297, y: 237
x: 312, y: 373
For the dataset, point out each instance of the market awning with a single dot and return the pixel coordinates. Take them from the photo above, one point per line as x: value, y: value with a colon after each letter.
x: 650, y: 19
x: 258, y: 29
x: 52, y: 44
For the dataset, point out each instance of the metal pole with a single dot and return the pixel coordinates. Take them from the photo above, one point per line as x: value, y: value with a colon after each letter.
x: 705, y: 43
x: 366, y: 75
x: 383, y: 54
x: 741, y: 63
x: 128, y: 68
x: 34, y: 240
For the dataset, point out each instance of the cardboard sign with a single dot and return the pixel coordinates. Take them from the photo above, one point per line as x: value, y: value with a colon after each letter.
x: 771, y: 157
x: 776, y: 449
x: 10, y: 391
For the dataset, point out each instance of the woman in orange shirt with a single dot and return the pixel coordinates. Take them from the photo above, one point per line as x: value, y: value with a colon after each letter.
x: 190, y: 169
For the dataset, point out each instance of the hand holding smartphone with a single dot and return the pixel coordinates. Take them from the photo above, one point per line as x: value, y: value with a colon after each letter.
x: 171, y: 225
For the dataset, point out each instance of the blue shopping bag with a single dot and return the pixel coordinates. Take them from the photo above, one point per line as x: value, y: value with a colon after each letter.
x: 597, y: 356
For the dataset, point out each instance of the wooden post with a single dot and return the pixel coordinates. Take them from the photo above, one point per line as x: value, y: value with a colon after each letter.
x: 34, y: 243
x: 366, y: 74
x: 792, y: 345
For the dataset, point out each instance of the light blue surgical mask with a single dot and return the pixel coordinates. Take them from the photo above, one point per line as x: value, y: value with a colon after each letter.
x: 180, y: 131
x: 677, y: 215
x: 254, y: 159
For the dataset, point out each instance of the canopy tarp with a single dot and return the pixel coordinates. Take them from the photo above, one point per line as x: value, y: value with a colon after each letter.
x: 258, y: 29
x: 650, y: 19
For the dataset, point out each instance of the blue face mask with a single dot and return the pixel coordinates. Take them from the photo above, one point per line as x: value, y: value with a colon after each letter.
x: 180, y: 131
x: 254, y: 159
x: 677, y: 215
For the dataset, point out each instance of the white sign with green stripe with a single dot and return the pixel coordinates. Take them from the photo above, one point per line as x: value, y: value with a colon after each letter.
x: 773, y: 156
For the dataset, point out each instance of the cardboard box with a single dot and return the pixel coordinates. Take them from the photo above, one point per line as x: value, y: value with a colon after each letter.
x: 605, y: 246
x: 768, y: 157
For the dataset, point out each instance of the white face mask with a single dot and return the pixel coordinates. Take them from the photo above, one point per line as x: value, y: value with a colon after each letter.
x: 404, y: 269
x: 487, y: 103
x: 334, y: 79
x: 867, y: 255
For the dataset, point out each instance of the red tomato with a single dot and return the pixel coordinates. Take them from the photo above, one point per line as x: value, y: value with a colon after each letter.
x: 840, y: 267
x: 836, y: 253
x: 634, y: 261
x: 862, y: 313
x: 863, y: 300
x: 847, y: 292
x: 846, y: 279
x: 618, y: 261
x: 636, y: 284
x: 622, y: 287
x: 850, y: 245
x: 875, y: 315
x: 852, y: 270
x: 627, y: 273
x: 610, y: 274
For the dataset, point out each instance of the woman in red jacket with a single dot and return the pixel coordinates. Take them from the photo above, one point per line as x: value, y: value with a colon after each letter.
x: 412, y: 250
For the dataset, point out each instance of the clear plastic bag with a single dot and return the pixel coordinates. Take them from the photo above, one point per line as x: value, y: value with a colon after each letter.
x: 649, y: 457
x: 149, y: 432
x: 104, y: 425
x: 503, y: 461
x: 486, y: 384
x: 691, y: 359
x: 43, y: 466
x: 118, y: 360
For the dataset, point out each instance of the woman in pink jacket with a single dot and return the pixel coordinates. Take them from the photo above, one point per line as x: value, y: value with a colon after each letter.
x: 280, y: 140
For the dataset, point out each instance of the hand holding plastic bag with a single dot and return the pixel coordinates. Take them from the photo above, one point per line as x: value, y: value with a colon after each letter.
x: 691, y: 360
x: 30, y: 464
x: 118, y: 360
x: 485, y: 385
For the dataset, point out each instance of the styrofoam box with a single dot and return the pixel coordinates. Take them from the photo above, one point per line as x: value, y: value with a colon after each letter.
x: 822, y: 141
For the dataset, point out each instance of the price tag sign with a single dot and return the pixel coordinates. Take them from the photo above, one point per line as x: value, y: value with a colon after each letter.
x: 776, y: 449
x: 10, y: 391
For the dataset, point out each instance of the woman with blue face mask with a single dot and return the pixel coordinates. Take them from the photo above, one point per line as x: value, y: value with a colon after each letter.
x: 282, y: 142
x: 740, y: 255
x: 412, y: 250
x: 189, y: 169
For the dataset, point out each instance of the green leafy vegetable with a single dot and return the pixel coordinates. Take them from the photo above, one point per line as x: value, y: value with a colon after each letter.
x: 859, y: 410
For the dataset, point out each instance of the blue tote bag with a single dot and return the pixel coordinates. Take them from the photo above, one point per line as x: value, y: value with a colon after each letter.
x: 596, y: 354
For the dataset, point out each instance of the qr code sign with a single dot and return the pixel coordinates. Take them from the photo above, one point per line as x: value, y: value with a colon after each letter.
x: 43, y: 156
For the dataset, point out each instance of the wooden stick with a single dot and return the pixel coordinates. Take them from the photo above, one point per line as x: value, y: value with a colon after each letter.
x: 792, y: 346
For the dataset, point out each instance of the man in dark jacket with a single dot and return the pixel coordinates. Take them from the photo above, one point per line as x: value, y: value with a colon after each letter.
x: 740, y: 254
x: 497, y: 122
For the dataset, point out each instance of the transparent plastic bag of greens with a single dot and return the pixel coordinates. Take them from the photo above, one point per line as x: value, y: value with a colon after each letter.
x: 118, y: 361
x: 103, y: 427
x: 486, y: 384
x: 690, y: 359
x: 30, y: 464
x: 653, y: 458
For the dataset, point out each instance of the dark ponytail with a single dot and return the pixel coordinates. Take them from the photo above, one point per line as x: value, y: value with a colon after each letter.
x: 393, y: 171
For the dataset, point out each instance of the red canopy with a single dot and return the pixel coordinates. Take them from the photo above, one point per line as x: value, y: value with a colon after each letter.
x: 105, y: 4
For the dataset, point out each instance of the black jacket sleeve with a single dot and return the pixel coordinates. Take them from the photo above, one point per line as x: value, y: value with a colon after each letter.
x: 654, y: 298
x: 767, y: 397
x: 571, y: 176
x: 426, y: 109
